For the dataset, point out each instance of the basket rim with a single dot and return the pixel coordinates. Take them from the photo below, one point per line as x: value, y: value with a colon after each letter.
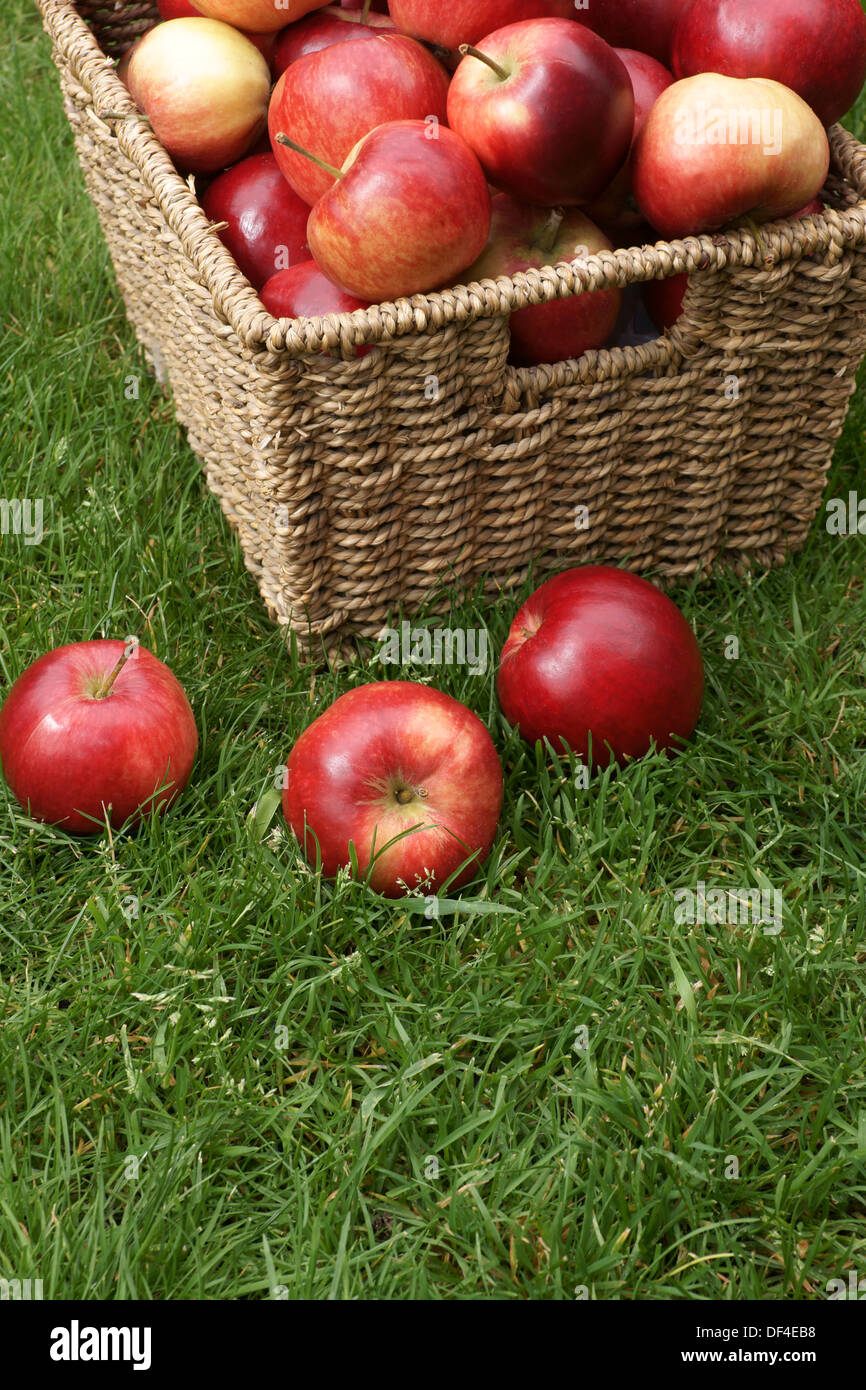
x: 238, y: 304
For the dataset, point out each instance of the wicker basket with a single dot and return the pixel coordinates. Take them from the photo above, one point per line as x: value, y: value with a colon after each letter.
x: 359, y: 485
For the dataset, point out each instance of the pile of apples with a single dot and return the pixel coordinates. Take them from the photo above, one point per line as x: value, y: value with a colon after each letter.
x: 360, y: 156
x: 397, y: 782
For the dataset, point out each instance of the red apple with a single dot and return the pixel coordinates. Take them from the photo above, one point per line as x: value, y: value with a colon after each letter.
x: 177, y: 9
x: 600, y: 654
x: 453, y: 22
x: 664, y: 298
x: 815, y: 47
x: 406, y: 775
x: 74, y: 744
x: 205, y: 88
x: 615, y: 209
x: 523, y: 238
x: 267, y: 220
x: 322, y: 30
x: 549, y: 110
x: 303, y: 291
x: 647, y: 25
x: 259, y: 16
x: 715, y: 148
x: 330, y: 100
x: 410, y: 212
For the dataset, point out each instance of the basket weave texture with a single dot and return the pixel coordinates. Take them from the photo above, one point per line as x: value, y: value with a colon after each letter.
x: 360, y: 485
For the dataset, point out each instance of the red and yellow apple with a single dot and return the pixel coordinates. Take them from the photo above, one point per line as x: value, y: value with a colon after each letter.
x: 205, y: 89
x: 717, y: 148
x: 410, y: 211
x: 523, y: 238
x: 94, y: 729
x: 328, y: 101
x: 402, y: 776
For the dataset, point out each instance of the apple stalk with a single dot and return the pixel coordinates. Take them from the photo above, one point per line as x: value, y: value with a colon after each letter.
x: 283, y: 139
x: 469, y: 50
x: 105, y: 686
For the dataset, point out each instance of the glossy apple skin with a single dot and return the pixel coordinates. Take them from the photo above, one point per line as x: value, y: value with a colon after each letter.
x: 267, y: 220
x: 556, y: 131
x: 816, y: 47
x: 330, y: 100
x: 452, y: 22
x: 69, y: 755
x: 664, y: 298
x: 302, y: 291
x: 205, y: 88
x: 258, y: 16
x: 563, y: 328
x: 615, y: 210
x: 408, y: 215
x: 599, y: 652
x: 323, y: 30
x: 684, y: 185
x: 346, y: 769
x: 646, y: 25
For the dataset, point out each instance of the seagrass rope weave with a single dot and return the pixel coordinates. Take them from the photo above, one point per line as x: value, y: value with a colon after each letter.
x: 360, y: 485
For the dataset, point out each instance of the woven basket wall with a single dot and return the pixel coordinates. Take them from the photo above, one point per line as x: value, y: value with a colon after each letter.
x: 358, y: 485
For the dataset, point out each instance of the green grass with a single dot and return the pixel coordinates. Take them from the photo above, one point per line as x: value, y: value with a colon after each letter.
x: 265, y: 1086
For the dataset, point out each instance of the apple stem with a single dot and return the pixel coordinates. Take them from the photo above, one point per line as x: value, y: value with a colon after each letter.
x: 282, y: 139
x: 365, y: 13
x: 469, y: 50
x: 551, y: 228
x: 129, y: 650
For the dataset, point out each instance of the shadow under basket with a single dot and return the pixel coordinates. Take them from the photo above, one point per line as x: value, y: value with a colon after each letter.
x: 358, y: 486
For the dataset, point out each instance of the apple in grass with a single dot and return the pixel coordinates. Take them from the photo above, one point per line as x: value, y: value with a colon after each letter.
x: 408, y: 211
x: 267, y: 221
x: 327, y: 101
x: 615, y: 209
x: 599, y: 656
x: 453, y: 22
x: 815, y: 47
x: 205, y: 88
x: 259, y: 16
x: 548, y: 108
x: 302, y: 291
x: 96, y: 728
x: 523, y: 237
x: 715, y: 149
x: 322, y: 30
x: 401, y: 777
